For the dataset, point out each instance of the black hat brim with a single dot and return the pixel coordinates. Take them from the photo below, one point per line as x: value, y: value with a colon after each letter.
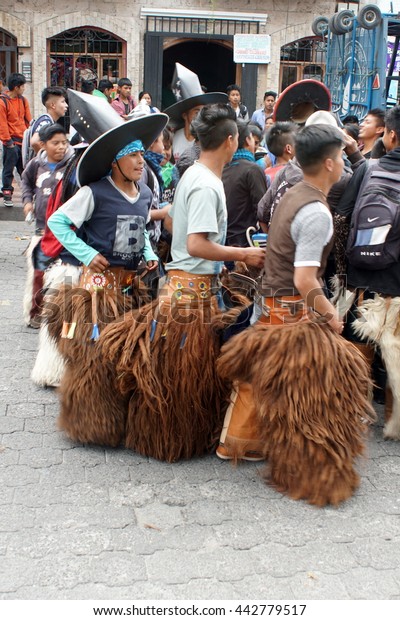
x: 299, y: 100
x: 96, y: 161
x: 176, y: 110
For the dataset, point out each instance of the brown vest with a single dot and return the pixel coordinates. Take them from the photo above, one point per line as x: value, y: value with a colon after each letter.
x: 279, y: 259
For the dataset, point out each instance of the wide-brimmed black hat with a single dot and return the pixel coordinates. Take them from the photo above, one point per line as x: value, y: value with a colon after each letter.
x: 107, y: 133
x: 299, y: 100
x: 189, y: 94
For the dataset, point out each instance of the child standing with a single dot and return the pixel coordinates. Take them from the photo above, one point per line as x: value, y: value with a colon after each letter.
x: 38, y: 181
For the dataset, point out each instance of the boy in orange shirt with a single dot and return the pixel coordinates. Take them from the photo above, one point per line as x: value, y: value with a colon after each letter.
x: 15, y: 117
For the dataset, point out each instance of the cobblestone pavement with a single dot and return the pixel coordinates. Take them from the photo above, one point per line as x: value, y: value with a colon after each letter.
x: 81, y: 522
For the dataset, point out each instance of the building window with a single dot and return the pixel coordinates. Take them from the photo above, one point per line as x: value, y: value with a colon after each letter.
x: 8, y: 54
x: 85, y: 54
x: 302, y: 59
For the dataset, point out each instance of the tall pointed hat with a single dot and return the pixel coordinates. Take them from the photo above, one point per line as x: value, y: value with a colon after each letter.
x: 189, y: 94
x: 101, y: 126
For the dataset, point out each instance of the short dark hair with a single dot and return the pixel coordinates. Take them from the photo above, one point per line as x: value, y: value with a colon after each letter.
x: 144, y: 92
x: 281, y: 134
x: 104, y: 84
x: 393, y: 121
x: 52, y: 91
x: 245, y: 130
x: 124, y: 82
x: 314, y: 144
x: 350, y: 119
x: 167, y: 136
x: 47, y: 132
x: 213, y: 124
x: 379, y: 115
x: 14, y: 80
x: 87, y: 86
x: 232, y: 87
x: 270, y: 93
x: 353, y: 129
x: 256, y: 130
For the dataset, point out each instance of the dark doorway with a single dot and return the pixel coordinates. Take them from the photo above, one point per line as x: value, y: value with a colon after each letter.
x: 213, y: 63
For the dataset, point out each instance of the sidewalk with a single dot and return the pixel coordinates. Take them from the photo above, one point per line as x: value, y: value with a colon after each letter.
x: 83, y: 522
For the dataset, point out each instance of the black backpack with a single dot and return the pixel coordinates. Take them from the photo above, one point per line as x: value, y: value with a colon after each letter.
x: 374, y: 239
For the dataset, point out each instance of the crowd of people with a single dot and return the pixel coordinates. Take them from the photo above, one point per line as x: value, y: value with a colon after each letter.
x: 165, y: 324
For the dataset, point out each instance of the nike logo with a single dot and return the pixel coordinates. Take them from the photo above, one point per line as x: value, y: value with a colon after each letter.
x: 372, y: 219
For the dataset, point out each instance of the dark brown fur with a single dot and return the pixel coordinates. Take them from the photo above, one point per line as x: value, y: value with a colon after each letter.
x: 176, y: 403
x: 311, y: 390
x: 93, y: 410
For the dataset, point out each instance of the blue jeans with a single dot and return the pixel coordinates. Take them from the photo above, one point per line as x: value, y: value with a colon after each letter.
x: 12, y: 158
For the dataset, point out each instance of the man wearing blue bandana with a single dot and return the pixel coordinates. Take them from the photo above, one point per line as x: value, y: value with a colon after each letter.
x: 109, y: 241
x: 111, y: 211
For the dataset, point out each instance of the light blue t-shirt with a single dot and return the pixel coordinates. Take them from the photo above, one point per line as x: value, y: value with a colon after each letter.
x: 199, y: 207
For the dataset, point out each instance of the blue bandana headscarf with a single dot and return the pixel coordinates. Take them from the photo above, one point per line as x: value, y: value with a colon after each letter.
x: 132, y: 147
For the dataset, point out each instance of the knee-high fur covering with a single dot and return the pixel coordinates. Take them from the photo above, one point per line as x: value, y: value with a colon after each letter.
x: 380, y: 323
x: 49, y: 364
x: 73, y: 306
x: 166, y: 364
x: 93, y: 410
x: 310, y: 388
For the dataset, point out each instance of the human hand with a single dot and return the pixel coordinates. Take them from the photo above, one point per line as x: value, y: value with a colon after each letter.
x: 336, y: 324
x: 99, y: 263
x: 28, y: 208
x: 254, y: 257
x: 152, y: 265
x: 350, y: 145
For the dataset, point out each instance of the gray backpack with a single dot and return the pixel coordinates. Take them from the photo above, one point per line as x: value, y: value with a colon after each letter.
x: 374, y: 239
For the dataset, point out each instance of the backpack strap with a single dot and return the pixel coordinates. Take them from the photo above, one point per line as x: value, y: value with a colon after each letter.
x: 5, y: 99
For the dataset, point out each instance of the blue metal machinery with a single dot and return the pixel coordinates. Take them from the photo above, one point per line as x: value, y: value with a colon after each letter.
x: 357, y: 71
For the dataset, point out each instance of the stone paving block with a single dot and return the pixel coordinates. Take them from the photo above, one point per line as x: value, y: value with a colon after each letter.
x: 18, y: 475
x: 281, y: 560
x: 4, y: 542
x: 15, y: 573
x: 85, y: 494
x: 195, y: 589
x: 8, y: 456
x: 76, y: 542
x: 120, y: 456
x: 315, y: 585
x: 38, y: 495
x: 361, y: 583
x: 107, y: 474
x: 159, y: 515
x: 263, y: 588
x: 59, y: 440
x: 65, y: 515
x: 6, y: 495
x: 378, y: 553
x: 130, y: 494
x: 14, y: 518
x: 89, y: 456
x: 8, y: 424
x: 187, y: 536
x: 43, y: 425
x: 150, y: 471
x: 21, y: 440
x: 62, y: 475
x: 26, y: 410
x: 40, y: 457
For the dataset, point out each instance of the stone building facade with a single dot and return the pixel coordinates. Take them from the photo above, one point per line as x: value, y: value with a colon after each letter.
x: 144, y: 39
